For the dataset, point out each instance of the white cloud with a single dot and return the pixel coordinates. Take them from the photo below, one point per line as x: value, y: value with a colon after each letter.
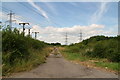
x: 41, y: 11
x: 53, y: 34
x: 56, y: 34
x: 51, y: 8
x: 99, y: 13
x: 73, y: 4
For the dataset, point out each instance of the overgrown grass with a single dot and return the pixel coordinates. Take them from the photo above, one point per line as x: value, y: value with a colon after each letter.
x: 74, y: 56
x: 36, y: 58
x: 21, y: 53
x: 98, y: 62
x: 109, y: 65
x: 100, y: 49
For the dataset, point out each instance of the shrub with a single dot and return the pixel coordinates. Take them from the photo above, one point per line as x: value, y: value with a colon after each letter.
x: 114, y: 57
x: 98, y: 46
x: 99, y: 50
x: 17, y: 46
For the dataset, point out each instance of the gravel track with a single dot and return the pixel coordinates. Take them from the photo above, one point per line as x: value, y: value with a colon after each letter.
x: 61, y: 68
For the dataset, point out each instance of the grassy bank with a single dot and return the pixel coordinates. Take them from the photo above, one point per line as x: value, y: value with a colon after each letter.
x: 91, y: 62
x: 97, y: 51
x: 21, y: 53
x: 36, y: 58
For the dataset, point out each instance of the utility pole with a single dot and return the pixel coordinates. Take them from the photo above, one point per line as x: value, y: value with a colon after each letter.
x: 66, y: 39
x: 35, y: 34
x: 23, y: 26
x: 80, y: 35
x: 29, y: 31
x: 0, y: 25
x: 10, y: 20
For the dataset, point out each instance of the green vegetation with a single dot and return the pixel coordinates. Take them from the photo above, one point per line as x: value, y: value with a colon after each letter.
x: 96, y: 48
x: 109, y: 65
x: 55, y: 44
x: 20, y: 53
x: 74, y: 56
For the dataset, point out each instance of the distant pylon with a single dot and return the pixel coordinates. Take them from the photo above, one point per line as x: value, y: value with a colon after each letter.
x: 66, y: 39
x: 80, y: 36
x: 10, y: 19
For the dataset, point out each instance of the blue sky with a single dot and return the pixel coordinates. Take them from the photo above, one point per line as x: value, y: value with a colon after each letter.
x: 66, y: 14
x: 63, y: 15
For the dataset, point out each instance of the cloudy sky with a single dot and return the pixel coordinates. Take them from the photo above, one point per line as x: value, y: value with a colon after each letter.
x: 53, y: 19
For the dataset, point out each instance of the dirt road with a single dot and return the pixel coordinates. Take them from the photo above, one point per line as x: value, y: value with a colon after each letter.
x: 61, y: 68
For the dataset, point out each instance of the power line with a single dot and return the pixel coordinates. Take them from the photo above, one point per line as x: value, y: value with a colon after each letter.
x: 37, y: 12
x: 54, y: 21
x: 31, y: 9
x: 21, y: 18
x: 4, y: 8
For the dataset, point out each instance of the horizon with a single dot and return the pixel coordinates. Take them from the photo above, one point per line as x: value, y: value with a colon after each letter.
x: 53, y: 19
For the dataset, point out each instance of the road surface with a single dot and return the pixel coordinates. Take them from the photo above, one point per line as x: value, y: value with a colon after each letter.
x: 61, y: 68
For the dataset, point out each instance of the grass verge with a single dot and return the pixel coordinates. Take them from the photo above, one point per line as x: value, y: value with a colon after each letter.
x: 109, y: 65
x: 91, y: 62
x: 36, y: 58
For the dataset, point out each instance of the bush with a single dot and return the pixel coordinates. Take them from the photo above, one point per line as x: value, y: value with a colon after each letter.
x: 89, y: 53
x: 114, y: 57
x: 99, y: 50
x: 112, y: 52
x: 98, y: 46
x: 16, y: 46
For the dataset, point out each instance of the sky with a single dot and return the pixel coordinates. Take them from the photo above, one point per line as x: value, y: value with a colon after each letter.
x: 54, y: 19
